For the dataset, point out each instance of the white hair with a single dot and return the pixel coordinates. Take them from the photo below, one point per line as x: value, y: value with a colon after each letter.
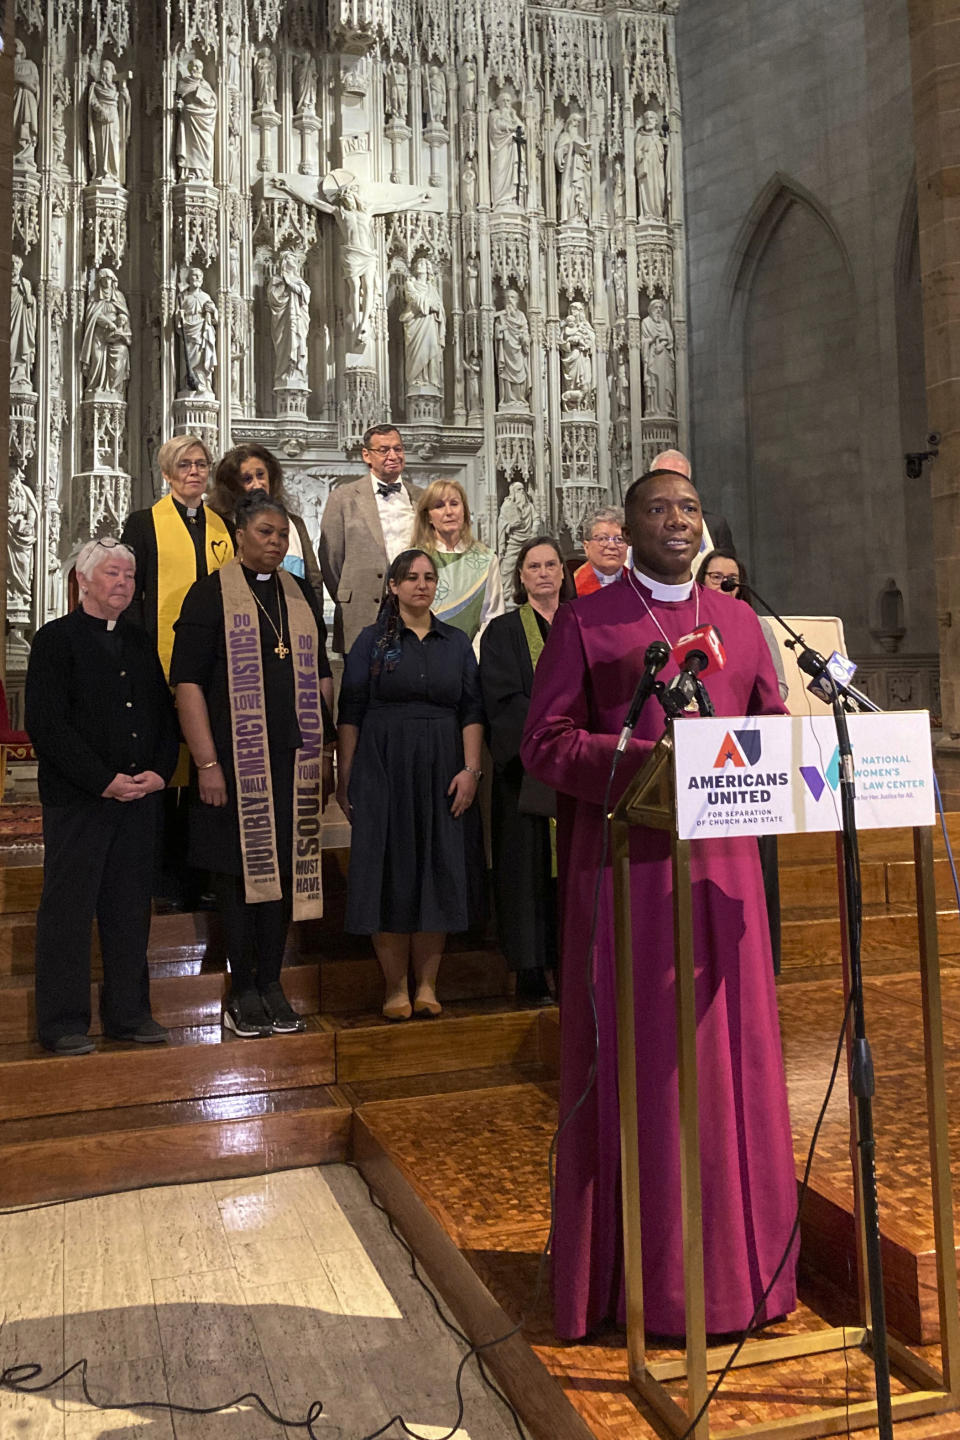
x: 96, y: 552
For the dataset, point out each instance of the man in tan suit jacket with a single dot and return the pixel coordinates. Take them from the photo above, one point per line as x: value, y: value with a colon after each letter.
x: 366, y: 524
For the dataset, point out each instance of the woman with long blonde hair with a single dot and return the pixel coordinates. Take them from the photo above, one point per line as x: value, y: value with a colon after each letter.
x: 469, y: 587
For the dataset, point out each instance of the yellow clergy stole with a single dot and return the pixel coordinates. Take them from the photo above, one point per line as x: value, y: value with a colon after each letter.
x: 176, y: 572
x: 177, y: 566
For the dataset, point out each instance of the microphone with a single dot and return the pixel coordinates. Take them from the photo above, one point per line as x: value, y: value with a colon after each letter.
x: 656, y: 656
x: 699, y: 653
x: 708, y: 641
x: 729, y: 583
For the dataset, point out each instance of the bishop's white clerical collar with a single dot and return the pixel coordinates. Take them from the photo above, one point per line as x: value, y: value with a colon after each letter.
x: 665, y: 592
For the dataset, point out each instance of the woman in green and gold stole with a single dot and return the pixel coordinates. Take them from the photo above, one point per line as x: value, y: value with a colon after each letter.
x: 469, y: 588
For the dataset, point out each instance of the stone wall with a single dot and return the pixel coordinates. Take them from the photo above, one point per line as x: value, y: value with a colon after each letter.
x: 806, y: 355
x: 282, y: 221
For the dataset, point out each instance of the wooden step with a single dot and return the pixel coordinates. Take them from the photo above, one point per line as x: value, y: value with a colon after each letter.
x: 811, y: 935
x: 175, y: 1000
x: 199, y: 1063
x: 69, y: 1156
x: 372, y: 1048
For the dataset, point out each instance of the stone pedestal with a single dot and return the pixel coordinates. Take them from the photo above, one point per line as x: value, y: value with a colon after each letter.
x: 105, y: 223
x: 580, y: 488
x: 309, y: 128
x: 197, y: 415
x: 103, y: 422
x: 291, y: 401
x: 195, y: 214
x: 99, y: 504
x: 360, y: 407
x: 424, y: 406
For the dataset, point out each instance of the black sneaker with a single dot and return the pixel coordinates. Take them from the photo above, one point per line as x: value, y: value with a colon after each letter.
x: 244, y: 1014
x: 284, y: 1019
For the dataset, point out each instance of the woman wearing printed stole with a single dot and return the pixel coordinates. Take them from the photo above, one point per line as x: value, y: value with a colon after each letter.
x: 469, y: 588
x: 254, y: 695
x: 522, y: 816
x: 411, y: 726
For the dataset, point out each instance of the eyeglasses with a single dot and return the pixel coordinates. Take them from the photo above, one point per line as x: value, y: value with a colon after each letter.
x: 717, y: 577
x: 187, y: 465
x: 616, y: 540
x: 385, y: 450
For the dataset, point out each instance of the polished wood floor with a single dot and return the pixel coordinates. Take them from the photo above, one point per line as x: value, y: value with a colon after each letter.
x: 452, y: 1119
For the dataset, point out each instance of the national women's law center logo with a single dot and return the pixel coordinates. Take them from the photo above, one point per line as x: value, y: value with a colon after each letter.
x: 817, y: 780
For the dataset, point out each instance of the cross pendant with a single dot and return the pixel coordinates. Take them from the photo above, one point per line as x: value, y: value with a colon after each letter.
x: 281, y: 650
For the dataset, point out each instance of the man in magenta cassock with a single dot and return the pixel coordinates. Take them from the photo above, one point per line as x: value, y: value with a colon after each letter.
x: 583, y: 686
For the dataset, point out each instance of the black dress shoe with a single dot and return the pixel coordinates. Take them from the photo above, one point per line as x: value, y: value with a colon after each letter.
x: 71, y: 1045
x: 149, y: 1032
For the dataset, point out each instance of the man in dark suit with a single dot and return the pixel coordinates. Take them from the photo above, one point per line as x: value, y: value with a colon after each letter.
x: 102, y: 723
x: 366, y: 524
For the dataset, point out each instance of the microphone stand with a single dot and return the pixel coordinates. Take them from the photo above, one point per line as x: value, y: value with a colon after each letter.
x: 862, y: 1085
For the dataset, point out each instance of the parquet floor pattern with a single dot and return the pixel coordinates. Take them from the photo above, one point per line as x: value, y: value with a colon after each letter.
x: 479, y: 1161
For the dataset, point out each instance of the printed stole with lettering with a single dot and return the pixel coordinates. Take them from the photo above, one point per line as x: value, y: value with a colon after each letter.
x: 176, y: 572
x: 251, y: 754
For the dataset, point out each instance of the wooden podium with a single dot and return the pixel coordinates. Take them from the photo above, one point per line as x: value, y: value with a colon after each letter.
x: 650, y: 800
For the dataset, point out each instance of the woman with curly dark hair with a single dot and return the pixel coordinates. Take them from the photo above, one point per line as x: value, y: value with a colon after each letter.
x: 411, y: 728
x: 253, y: 467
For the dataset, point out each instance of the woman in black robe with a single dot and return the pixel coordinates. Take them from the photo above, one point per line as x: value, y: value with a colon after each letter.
x: 255, y: 932
x: 524, y: 870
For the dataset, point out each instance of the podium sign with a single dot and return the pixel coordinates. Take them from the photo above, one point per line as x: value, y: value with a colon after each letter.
x: 780, y: 774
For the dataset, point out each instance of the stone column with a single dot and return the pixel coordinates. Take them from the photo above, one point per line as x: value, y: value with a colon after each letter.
x: 6, y: 204
x: 935, y: 61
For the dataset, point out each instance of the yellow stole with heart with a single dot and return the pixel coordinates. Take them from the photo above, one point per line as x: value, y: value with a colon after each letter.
x: 177, y: 565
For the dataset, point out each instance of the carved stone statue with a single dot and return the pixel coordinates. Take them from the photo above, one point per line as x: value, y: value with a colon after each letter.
x: 23, y: 328
x: 288, y: 298
x: 516, y: 523
x: 468, y: 185
x: 572, y: 158
x: 511, y: 336
x: 265, y: 80
x: 355, y: 205
x: 472, y: 369
x: 424, y: 329
x: 397, y: 86
x: 436, y: 96
x: 577, y: 346
x: 659, y: 365
x: 651, y: 169
x: 22, y: 513
x: 468, y: 85
x: 196, y: 124
x: 105, y: 347
x: 507, y: 168
x: 108, y: 125
x: 197, y: 315
x: 305, y: 83
x: 472, y: 268
x: 26, y: 108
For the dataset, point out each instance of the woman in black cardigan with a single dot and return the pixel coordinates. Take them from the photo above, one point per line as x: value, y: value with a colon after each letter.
x: 522, y: 827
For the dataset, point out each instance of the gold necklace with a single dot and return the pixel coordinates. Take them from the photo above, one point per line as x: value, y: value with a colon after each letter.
x: 279, y: 649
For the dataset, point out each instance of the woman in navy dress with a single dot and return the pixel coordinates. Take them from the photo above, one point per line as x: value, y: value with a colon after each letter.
x: 411, y: 728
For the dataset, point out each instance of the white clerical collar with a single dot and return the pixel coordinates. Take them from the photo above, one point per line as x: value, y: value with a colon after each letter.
x: 265, y: 577
x: 111, y: 624
x: 665, y: 592
x: 606, y: 579
x: 192, y: 510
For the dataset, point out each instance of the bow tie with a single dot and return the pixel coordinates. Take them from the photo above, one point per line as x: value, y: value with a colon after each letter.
x: 388, y: 488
